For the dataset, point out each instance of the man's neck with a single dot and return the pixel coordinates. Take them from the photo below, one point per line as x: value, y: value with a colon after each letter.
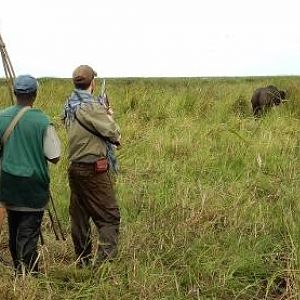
x: 90, y: 90
x: 25, y: 103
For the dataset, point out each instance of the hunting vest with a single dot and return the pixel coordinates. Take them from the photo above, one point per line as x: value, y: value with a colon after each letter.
x: 24, y: 174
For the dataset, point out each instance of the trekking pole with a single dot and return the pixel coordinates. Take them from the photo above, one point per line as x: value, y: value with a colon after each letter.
x: 57, y: 219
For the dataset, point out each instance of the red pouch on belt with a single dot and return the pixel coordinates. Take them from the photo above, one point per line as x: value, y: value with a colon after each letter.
x: 101, y: 165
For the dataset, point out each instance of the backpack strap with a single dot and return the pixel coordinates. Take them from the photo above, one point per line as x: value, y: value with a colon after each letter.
x: 13, y: 124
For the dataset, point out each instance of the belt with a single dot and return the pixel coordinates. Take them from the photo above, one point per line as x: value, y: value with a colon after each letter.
x: 77, y: 163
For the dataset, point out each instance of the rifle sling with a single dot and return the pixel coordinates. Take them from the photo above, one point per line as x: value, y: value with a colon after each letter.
x: 96, y: 133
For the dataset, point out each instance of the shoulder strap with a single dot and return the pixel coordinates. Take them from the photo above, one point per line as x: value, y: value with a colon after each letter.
x: 96, y: 133
x: 13, y: 124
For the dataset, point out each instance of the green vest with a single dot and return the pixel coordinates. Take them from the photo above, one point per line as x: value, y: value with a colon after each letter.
x: 24, y: 174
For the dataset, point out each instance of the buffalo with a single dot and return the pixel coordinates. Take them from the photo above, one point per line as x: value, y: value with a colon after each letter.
x: 265, y: 98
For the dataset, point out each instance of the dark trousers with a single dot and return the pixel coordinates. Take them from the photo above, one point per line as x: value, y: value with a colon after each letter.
x: 24, y: 232
x: 93, y: 198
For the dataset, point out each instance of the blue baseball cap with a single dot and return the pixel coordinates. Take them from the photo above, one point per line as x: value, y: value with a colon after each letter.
x: 25, y: 84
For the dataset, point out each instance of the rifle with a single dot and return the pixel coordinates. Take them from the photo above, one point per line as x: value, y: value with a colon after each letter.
x: 103, y: 89
x: 104, y: 100
x: 103, y: 97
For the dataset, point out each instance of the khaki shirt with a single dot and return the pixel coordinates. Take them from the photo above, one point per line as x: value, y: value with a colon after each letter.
x: 84, y: 146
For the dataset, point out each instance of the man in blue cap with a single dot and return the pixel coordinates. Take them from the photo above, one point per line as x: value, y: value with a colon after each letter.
x: 28, y: 142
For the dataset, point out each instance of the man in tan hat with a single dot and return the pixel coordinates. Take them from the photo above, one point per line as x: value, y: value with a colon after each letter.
x: 90, y: 128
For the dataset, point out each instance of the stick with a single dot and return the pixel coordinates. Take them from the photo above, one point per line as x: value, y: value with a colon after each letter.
x: 8, y: 69
x: 57, y: 220
x: 2, y: 216
x: 52, y: 225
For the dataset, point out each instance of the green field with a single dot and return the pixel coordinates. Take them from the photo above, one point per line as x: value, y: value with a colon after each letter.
x: 209, y: 196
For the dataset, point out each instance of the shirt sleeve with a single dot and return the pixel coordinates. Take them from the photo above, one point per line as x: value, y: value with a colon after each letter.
x: 96, y: 117
x: 51, y: 143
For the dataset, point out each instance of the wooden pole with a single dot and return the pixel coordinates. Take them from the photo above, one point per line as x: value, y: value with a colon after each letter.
x: 10, y: 76
x: 2, y: 216
x: 8, y: 69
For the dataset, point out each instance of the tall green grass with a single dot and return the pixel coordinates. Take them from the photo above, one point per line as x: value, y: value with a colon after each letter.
x: 209, y: 196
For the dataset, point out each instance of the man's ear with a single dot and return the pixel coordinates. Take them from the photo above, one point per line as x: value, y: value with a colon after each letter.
x: 93, y: 86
